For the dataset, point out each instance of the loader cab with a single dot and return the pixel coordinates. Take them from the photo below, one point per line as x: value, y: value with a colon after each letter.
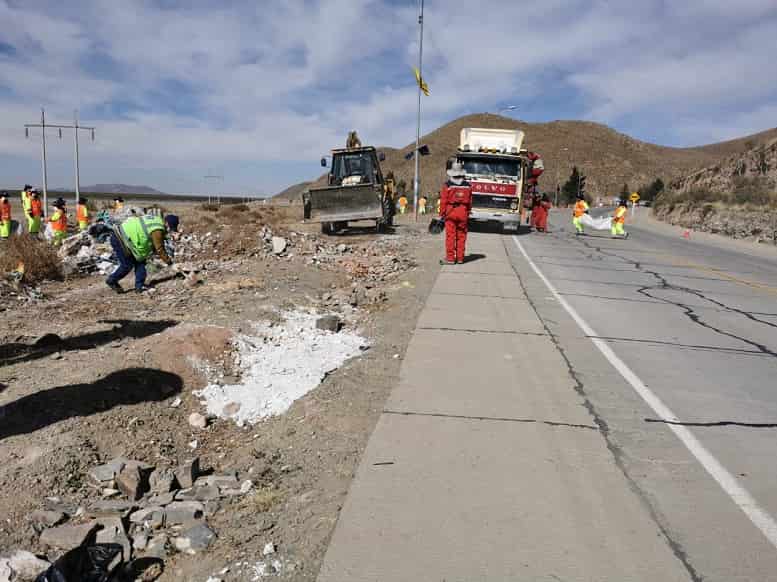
x: 355, y: 166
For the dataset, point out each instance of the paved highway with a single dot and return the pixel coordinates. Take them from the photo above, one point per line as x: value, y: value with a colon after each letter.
x: 578, y: 408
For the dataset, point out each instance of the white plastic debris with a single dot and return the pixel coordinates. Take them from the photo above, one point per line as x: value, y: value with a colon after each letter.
x: 280, y: 364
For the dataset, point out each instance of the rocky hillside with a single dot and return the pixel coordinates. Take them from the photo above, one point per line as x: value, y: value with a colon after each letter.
x: 756, y: 167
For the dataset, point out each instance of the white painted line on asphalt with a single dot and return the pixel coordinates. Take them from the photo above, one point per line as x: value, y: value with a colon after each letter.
x: 760, y: 518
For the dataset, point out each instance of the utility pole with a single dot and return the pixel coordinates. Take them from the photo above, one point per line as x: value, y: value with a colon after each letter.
x: 416, y: 183
x: 75, y: 127
x: 216, y: 178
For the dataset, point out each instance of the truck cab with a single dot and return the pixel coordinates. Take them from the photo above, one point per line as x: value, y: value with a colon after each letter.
x: 499, y: 170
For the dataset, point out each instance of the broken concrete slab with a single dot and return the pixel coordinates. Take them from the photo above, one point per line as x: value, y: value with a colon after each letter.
x: 183, y: 512
x: 67, y: 537
x: 107, y: 472
x: 195, y: 539
x: 329, y: 323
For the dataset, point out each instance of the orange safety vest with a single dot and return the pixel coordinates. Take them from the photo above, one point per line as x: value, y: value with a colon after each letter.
x: 59, y: 221
x: 580, y: 207
x: 36, y: 207
x: 5, y: 211
x: 620, y: 215
x: 82, y: 213
x: 402, y: 201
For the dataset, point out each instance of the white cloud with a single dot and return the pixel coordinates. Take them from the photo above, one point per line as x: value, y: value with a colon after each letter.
x: 250, y: 82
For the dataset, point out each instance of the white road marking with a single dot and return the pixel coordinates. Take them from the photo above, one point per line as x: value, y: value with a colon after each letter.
x: 760, y: 518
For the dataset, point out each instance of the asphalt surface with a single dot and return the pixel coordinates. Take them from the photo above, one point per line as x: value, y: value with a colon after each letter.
x: 578, y: 408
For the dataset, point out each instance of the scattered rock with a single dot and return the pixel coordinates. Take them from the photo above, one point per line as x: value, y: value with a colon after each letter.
x: 341, y: 248
x: 279, y: 244
x: 202, y: 493
x: 151, y: 517
x: 269, y: 548
x: 140, y: 541
x: 197, y: 420
x: 195, y: 539
x: 131, y: 482
x: 47, y: 518
x: 231, y: 409
x: 188, y: 472
x: 67, y: 537
x: 329, y: 323
x: 107, y: 472
x: 162, y: 499
x: 157, y: 547
x: 162, y: 481
x: 112, y: 532
x: 175, y: 403
x: 111, y: 508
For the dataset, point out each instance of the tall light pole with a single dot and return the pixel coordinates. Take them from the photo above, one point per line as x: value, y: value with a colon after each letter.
x: 416, y: 184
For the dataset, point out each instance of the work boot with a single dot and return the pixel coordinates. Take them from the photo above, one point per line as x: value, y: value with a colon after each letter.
x: 114, y: 286
x: 142, y: 289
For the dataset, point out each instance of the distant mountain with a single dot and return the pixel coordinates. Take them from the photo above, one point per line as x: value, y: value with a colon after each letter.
x: 292, y: 193
x: 119, y: 189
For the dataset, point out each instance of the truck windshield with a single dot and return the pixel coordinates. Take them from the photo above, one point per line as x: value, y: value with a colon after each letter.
x: 491, y: 167
x: 356, y: 168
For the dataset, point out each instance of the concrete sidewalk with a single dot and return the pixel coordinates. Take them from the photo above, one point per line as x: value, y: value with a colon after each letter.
x: 486, y: 464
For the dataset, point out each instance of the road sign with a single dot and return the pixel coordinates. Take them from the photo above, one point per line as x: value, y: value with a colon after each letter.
x: 634, y: 197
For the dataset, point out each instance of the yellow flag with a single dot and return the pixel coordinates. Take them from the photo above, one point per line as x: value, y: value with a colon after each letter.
x: 421, y: 83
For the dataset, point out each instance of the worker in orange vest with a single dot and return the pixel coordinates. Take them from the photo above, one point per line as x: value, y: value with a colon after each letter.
x: 402, y: 204
x: 58, y: 221
x: 82, y: 214
x: 619, y: 220
x: 581, y: 208
x: 34, y: 212
x: 5, y: 216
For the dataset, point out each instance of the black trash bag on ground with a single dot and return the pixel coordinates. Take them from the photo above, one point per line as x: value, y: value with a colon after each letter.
x: 87, y: 563
x: 437, y: 225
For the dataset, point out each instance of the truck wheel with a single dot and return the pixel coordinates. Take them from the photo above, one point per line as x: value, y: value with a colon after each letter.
x: 327, y: 228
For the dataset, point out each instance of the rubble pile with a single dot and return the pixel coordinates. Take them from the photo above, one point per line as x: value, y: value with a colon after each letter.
x: 151, y: 512
x: 83, y: 254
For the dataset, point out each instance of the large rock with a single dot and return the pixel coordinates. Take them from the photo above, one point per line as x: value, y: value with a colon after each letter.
x: 151, y: 517
x: 21, y: 566
x: 131, y: 482
x: 329, y: 323
x: 112, y: 532
x: 111, y: 508
x: 67, y: 537
x: 45, y: 518
x: 157, y: 547
x: 195, y: 539
x: 188, y: 472
x: 107, y: 472
x: 162, y: 481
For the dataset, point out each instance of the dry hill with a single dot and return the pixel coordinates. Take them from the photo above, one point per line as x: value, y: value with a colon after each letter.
x: 607, y: 157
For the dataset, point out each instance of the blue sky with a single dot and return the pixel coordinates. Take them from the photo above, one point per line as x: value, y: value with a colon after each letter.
x: 257, y: 90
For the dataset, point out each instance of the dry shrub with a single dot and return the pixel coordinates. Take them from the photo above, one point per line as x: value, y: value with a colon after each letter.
x: 40, y: 259
x: 209, y: 207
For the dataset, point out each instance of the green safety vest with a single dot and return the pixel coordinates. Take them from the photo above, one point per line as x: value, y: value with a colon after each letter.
x: 135, y: 233
x: 26, y: 201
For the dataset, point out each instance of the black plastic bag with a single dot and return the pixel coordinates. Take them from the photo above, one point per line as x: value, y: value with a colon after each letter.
x: 437, y: 225
x: 88, y: 563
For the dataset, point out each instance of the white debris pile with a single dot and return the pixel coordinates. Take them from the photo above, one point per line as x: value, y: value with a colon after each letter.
x: 280, y: 363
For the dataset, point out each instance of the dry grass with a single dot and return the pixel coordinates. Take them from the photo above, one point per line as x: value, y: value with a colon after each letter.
x: 264, y: 498
x: 40, y: 259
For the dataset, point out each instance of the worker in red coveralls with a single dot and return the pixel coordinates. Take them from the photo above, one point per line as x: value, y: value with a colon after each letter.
x: 539, y: 214
x: 455, y: 206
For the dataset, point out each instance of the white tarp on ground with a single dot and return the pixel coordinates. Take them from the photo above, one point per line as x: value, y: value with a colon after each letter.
x: 279, y: 364
x: 602, y: 223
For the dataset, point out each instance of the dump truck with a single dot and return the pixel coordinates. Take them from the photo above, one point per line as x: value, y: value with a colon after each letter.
x: 355, y: 191
x: 500, y: 171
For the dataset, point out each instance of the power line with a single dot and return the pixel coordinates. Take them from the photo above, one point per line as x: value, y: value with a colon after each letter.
x: 75, y: 127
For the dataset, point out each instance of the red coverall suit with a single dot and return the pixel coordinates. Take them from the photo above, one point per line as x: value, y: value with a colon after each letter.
x: 455, y: 206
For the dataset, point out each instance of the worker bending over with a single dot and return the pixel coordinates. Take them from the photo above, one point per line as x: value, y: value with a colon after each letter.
x: 581, y: 208
x: 5, y: 216
x: 133, y: 242
x: 58, y: 221
x: 455, y: 206
x: 619, y: 220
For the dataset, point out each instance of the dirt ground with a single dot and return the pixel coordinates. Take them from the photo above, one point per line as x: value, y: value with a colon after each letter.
x: 105, y: 385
